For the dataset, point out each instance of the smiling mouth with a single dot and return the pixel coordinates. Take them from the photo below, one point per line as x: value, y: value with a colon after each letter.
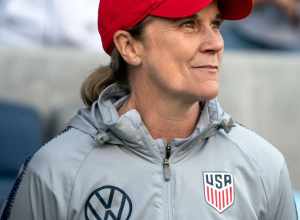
x: 210, y: 68
x: 207, y: 67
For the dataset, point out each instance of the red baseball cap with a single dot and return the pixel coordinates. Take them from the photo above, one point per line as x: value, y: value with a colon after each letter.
x: 114, y: 15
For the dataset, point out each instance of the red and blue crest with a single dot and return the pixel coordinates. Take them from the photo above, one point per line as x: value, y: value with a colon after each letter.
x: 219, y: 190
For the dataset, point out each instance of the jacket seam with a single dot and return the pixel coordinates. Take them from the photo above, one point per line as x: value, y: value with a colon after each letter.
x: 254, y: 164
x: 8, y: 205
x: 81, y: 163
x: 277, y: 186
x: 34, y: 174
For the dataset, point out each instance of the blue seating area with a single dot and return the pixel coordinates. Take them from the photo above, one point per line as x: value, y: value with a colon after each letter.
x: 20, y: 136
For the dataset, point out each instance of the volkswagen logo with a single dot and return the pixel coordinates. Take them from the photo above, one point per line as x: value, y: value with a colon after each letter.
x: 108, y: 202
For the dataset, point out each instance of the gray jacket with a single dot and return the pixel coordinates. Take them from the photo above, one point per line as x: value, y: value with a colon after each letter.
x: 109, y: 167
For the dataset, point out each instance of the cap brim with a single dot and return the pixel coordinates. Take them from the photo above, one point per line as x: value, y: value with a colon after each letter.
x: 235, y: 9
x: 230, y: 9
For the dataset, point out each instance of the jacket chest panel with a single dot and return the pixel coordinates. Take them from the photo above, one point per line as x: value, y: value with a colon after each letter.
x: 214, y: 192
x: 129, y: 188
x: 133, y: 188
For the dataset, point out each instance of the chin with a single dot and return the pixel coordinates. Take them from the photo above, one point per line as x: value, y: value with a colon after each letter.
x: 196, y: 92
x: 208, y: 91
x: 202, y: 96
x: 210, y: 96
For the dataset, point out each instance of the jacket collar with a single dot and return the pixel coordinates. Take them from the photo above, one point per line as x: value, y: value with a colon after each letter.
x: 104, y: 125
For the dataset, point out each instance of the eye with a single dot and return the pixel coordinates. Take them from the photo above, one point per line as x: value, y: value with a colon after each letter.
x: 217, y: 23
x: 189, y: 24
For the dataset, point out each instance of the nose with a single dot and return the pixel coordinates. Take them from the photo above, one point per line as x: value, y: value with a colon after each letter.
x: 212, y: 41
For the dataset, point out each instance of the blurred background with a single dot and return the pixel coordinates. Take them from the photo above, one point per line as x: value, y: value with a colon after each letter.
x: 48, y: 47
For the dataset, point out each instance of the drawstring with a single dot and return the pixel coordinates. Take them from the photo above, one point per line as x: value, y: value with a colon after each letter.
x: 101, y: 137
x: 225, y: 124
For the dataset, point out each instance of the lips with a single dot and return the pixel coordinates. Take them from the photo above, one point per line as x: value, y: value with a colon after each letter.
x: 212, y: 67
x: 207, y: 68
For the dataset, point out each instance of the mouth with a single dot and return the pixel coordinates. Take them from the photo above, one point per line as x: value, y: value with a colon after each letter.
x: 210, y: 68
x: 207, y: 66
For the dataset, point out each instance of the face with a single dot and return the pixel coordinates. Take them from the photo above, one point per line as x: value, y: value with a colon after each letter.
x: 181, y: 58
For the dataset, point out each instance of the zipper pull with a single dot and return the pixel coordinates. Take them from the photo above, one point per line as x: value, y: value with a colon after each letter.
x: 166, y: 163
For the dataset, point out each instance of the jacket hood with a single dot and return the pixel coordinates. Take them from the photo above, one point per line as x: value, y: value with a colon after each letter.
x: 102, y: 122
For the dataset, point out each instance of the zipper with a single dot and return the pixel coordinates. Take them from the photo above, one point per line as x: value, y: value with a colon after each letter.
x: 166, y: 163
x: 168, y: 182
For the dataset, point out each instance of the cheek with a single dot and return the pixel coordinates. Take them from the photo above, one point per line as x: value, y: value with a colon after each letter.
x: 168, y: 56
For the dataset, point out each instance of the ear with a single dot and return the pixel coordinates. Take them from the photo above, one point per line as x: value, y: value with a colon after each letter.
x: 128, y: 47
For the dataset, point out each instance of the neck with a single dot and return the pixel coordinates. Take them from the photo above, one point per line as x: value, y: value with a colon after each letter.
x: 164, y: 118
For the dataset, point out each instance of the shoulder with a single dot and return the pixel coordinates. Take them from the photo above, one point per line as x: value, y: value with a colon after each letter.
x: 267, y: 159
x: 58, y: 161
x: 269, y: 167
x: 254, y: 145
x: 49, y: 175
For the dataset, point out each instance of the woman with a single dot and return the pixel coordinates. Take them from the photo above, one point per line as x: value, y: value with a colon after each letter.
x: 153, y: 142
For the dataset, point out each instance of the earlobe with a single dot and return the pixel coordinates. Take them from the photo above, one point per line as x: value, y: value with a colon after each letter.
x: 128, y: 47
x: 136, y: 61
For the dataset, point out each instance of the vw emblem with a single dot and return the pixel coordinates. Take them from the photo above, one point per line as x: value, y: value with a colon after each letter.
x: 108, y: 202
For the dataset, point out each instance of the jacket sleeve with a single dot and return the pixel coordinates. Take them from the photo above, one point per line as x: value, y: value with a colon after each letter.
x: 281, y: 203
x: 31, y: 199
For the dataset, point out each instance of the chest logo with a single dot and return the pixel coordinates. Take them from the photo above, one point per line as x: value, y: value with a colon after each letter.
x: 108, y: 203
x: 219, y: 190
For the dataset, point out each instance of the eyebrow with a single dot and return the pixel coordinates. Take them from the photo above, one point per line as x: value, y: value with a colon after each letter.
x: 219, y: 16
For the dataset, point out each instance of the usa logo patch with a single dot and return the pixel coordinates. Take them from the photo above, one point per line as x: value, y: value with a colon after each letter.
x: 219, y: 190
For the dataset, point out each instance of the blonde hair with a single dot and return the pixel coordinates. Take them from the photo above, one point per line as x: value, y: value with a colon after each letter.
x: 104, y: 76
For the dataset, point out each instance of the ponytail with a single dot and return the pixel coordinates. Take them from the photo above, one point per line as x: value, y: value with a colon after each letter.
x: 95, y: 83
